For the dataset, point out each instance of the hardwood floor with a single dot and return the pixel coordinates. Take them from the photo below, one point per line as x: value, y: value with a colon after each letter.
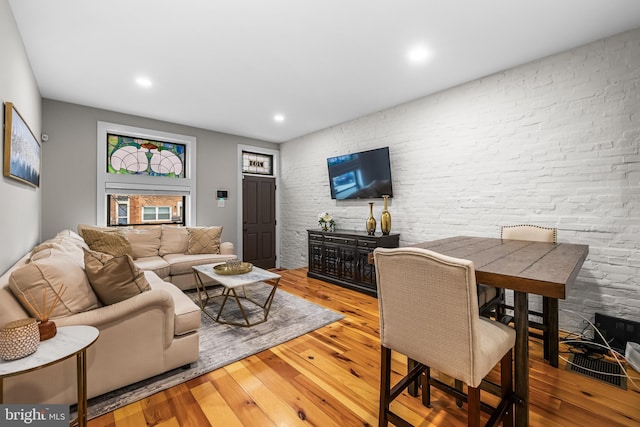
x: 329, y: 377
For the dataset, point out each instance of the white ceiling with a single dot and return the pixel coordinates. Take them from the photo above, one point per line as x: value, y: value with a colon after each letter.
x: 232, y: 65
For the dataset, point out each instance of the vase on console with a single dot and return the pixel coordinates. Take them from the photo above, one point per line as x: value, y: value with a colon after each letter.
x: 371, y: 221
x: 385, y: 219
x: 326, y: 221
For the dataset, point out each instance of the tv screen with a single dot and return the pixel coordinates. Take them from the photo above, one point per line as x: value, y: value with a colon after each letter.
x: 364, y: 175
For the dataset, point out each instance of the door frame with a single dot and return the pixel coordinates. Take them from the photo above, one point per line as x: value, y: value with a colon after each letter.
x: 276, y: 175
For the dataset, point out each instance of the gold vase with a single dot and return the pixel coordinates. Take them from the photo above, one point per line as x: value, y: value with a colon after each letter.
x: 371, y: 221
x: 385, y: 219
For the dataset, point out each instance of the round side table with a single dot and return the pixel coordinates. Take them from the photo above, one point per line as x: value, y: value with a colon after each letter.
x: 69, y: 341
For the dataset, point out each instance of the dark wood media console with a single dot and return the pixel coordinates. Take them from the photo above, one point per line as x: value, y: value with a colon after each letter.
x: 342, y: 257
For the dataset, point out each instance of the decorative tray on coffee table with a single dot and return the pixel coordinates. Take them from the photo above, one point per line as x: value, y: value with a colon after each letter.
x: 225, y: 269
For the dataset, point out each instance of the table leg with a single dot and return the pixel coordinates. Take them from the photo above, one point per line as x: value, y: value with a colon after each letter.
x: 551, y: 338
x: 203, y: 294
x: 265, y: 306
x: 81, y: 376
x: 244, y: 315
x: 225, y: 294
x: 272, y: 294
x: 200, y: 283
x: 521, y: 320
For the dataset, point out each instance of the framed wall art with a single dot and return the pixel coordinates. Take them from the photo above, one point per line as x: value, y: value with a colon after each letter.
x: 21, y: 148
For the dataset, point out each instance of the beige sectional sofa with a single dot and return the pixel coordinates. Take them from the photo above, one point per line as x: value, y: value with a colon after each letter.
x: 165, y: 251
x: 141, y: 336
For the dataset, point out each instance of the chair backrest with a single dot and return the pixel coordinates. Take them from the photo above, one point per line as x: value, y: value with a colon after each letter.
x: 534, y: 233
x: 429, y: 309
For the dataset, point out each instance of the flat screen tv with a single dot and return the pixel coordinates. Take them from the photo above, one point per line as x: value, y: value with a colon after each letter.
x: 363, y: 175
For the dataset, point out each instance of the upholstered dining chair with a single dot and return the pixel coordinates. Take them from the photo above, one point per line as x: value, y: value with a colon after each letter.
x: 428, y: 307
x: 549, y: 315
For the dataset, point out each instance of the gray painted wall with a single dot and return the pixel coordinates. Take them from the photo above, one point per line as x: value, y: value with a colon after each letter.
x: 555, y: 142
x: 20, y: 211
x: 69, y: 164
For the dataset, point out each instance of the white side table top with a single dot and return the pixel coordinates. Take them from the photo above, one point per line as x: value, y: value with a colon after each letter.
x: 68, y: 341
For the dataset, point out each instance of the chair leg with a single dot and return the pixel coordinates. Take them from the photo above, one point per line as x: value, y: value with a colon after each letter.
x: 506, y: 386
x: 473, y: 406
x: 426, y: 387
x: 385, y: 385
x: 413, y: 387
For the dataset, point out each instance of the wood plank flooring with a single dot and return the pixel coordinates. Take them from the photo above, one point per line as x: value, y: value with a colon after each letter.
x: 330, y: 377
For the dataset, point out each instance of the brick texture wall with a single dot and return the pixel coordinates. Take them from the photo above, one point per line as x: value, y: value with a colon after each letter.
x: 554, y: 142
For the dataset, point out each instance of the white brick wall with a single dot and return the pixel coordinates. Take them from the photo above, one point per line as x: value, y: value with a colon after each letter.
x: 554, y: 142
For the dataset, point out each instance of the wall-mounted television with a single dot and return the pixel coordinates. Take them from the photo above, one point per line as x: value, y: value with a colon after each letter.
x: 363, y: 175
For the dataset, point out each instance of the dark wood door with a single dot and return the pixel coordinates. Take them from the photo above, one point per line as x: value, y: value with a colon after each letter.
x: 259, y: 221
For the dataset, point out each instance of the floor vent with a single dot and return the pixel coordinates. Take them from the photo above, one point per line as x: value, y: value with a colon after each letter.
x: 605, y: 371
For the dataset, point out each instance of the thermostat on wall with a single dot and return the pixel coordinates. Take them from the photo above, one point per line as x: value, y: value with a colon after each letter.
x: 222, y: 194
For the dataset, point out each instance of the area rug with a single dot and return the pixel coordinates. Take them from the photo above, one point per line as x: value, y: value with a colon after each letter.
x: 220, y: 345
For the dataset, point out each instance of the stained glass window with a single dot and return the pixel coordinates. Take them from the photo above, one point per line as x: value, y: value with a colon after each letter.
x: 260, y: 164
x: 137, y: 156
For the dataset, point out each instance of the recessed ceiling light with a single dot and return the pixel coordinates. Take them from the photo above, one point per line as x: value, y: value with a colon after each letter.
x: 278, y: 118
x: 143, y: 81
x: 419, y: 54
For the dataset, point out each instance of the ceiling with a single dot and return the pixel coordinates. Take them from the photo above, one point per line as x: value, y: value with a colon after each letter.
x: 230, y: 66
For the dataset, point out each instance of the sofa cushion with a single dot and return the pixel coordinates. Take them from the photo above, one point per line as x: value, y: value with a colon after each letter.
x: 72, y: 237
x: 47, y: 275
x: 174, y: 240
x: 145, y: 242
x: 114, y: 279
x: 112, y: 243
x: 65, y: 242
x: 182, y: 263
x: 154, y: 263
x: 204, y: 240
x: 188, y: 314
x: 49, y: 248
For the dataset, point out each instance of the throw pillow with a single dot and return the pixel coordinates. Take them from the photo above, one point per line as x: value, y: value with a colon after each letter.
x: 114, y: 279
x: 32, y: 280
x: 204, y: 240
x: 145, y: 242
x: 82, y: 227
x: 112, y: 243
x: 174, y: 240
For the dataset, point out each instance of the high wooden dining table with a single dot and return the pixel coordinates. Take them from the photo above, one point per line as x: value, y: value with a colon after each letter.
x: 546, y: 269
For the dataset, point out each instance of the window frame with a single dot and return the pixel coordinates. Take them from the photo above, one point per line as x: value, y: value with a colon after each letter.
x: 118, y: 216
x: 157, y: 213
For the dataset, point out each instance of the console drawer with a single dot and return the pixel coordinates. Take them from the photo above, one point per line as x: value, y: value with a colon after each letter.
x: 340, y: 240
x: 362, y: 243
